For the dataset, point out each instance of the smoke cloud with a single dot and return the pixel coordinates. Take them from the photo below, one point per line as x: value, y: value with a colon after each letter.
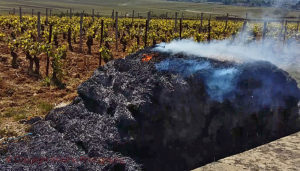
x: 285, y: 56
x: 248, y: 59
x: 279, y: 3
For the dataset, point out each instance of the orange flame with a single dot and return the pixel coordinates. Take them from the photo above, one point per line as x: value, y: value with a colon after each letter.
x: 148, y: 57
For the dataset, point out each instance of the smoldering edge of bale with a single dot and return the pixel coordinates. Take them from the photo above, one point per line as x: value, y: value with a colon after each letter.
x: 158, y: 115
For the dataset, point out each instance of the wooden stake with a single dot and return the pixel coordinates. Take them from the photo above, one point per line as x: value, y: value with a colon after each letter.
x: 116, y: 29
x: 81, y: 33
x: 113, y: 14
x: 201, y: 23
x: 285, y: 30
x: 149, y: 17
x: 281, y: 30
x: 70, y: 12
x: 50, y: 33
x: 264, y: 30
x: 146, y: 34
x: 46, y: 22
x: 244, y: 26
x: 209, y: 29
x: 101, y: 41
x: 39, y: 26
x: 298, y: 22
x: 102, y: 30
x: 20, y: 12
x: 180, y: 29
x: 132, y: 16
x: 93, y: 15
x: 48, y: 57
x: 147, y: 28
x: 226, y: 22
x: 70, y: 39
x: 176, y: 17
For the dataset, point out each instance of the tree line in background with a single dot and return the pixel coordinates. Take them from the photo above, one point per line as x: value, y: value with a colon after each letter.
x: 295, y: 4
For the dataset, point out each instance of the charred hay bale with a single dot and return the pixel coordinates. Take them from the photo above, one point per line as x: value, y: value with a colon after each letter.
x: 174, y: 112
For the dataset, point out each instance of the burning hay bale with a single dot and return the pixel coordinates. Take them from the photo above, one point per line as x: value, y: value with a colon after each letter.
x: 157, y: 111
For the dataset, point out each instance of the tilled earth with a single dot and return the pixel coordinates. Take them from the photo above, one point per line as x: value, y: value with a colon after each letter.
x: 24, y: 96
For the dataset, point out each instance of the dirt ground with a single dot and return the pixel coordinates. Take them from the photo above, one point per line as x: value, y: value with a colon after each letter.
x: 279, y: 155
x: 23, y: 96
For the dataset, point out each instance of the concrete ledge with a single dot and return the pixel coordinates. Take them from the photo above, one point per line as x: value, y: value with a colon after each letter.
x: 282, y: 154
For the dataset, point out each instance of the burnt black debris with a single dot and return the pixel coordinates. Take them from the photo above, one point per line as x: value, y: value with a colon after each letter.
x: 168, y: 112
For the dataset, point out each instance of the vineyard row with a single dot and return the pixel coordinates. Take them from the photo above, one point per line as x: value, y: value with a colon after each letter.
x: 52, y: 36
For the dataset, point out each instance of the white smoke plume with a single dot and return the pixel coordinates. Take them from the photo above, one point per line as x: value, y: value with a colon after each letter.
x: 285, y: 56
x: 221, y: 83
x: 279, y: 3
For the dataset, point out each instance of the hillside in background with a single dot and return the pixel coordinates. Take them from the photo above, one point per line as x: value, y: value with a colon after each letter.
x: 158, y: 7
x: 289, y: 4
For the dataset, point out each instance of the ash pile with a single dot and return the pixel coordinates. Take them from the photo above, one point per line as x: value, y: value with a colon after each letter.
x: 158, y: 111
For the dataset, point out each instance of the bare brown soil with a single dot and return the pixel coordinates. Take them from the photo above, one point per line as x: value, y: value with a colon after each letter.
x: 23, y: 96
